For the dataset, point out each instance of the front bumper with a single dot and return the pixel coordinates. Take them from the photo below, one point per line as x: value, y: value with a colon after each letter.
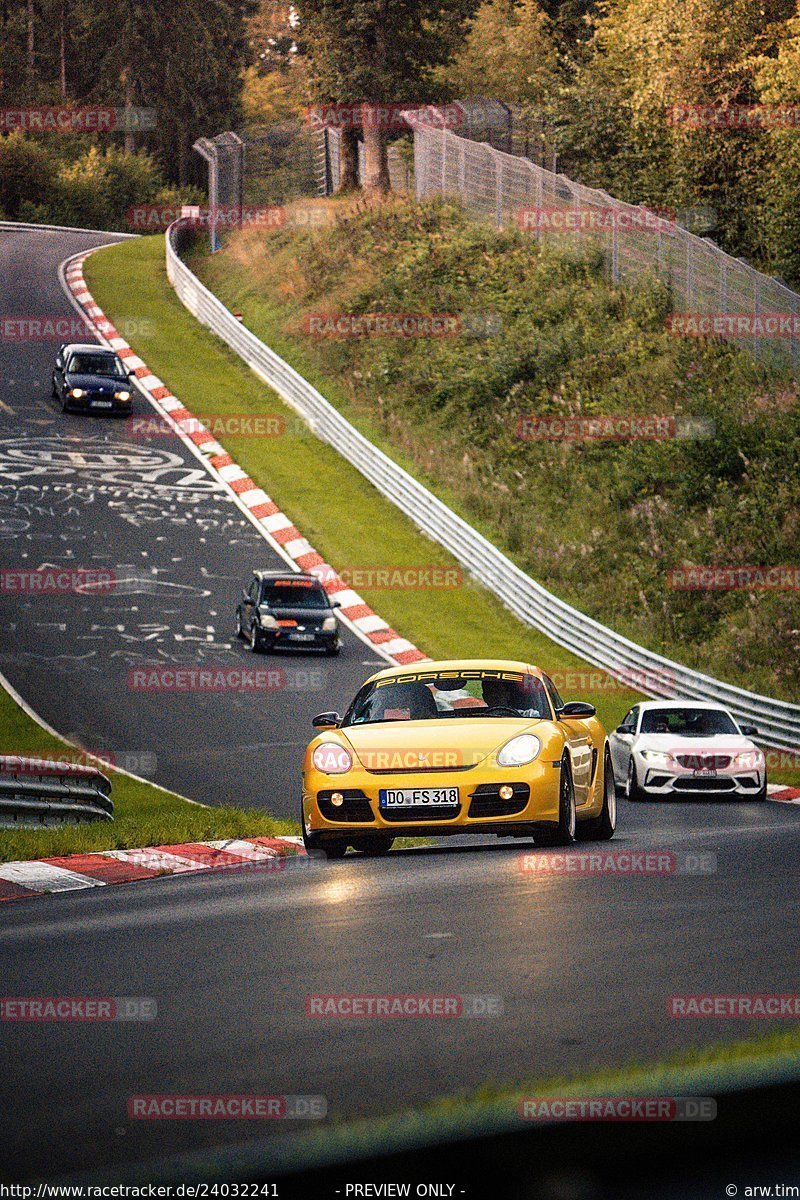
x: 480, y: 808
x: 279, y: 639
x: 99, y: 404
x: 660, y: 781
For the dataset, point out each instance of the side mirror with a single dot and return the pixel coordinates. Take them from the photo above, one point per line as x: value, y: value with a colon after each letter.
x: 749, y: 730
x: 245, y: 595
x: 131, y: 374
x: 335, y: 604
x: 624, y: 729
x: 577, y: 708
x: 328, y: 720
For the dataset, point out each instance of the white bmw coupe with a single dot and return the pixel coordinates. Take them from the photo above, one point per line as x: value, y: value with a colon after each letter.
x: 676, y: 749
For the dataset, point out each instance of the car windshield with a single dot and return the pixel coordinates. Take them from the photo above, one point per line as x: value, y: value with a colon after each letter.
x: 294, y: 593
x: 688, y: 722
x: 430, y: 696
x: 95, y: 364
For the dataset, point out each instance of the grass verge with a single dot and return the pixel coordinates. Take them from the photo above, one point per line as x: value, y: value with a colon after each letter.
x: 144, y: 815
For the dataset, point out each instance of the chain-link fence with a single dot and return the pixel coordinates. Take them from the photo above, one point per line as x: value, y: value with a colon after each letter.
x: 710, y: 292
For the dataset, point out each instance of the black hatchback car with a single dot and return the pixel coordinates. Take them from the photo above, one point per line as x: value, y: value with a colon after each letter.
x: 280, y: 609
x: 89, y: 378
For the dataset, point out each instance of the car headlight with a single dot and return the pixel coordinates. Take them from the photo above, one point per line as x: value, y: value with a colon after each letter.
x: 748, y: 760
x: 520, y: 750
x: 77, y: 392
x: 267, y: 621
x: 332, y: 759
x: 657, y: 756
x: 329, y: 625
x: 122, y: 395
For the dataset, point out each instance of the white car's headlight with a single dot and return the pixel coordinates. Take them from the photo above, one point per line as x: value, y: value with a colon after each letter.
x: 520, y: 750
x: 748, y: 760
x: 266, y: 621
x: 77, y: 392
x: 332, y: 759
x: 657, y: 756
x: 329, y: 625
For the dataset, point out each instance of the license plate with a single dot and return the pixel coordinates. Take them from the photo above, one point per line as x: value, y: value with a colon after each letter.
x: 413, y: 797
x: 706, y: 772
x: 102, y: 403
x: 302, y: 637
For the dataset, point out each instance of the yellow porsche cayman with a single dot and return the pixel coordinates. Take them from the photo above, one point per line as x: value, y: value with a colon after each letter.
x: 468, y: 746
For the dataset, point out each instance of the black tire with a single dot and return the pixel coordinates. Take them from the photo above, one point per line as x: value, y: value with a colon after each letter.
x: 761, y: 794
x: 332, y: 651
x: 330, y: 849
x: 255, y: 641
x: 64, y: 406
x: 374, y: 845
x: 562, y: 833
x: 601, y: 828
x: 239, y: 630
x: 633, y: 793
x: 53, y: 388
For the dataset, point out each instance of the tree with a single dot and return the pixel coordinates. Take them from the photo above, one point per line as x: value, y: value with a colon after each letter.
x: 509, y: 54
x: 371, y: 54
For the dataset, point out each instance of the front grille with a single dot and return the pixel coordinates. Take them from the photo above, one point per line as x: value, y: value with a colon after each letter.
x: 414, y: 770
x: 421, y: 812
x: 486, y: 801
x: 703, y: 762
x: 704, y: 784
x: 356, y: 806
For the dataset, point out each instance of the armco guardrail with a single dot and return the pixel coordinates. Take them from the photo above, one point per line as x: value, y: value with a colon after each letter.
x: 644, y: 670
x: 39, y: 791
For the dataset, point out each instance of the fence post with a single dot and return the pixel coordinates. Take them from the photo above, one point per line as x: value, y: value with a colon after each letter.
x: 462, y: 173
x: 757, y: 347
x: 444, y: 161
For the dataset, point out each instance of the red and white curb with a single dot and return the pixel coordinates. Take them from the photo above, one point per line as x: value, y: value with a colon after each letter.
x: 72, y: 872
x: 274, y: 525
x: 783, y: 794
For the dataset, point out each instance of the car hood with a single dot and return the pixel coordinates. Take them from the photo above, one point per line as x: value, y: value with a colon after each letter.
x: 722, y: 743
x: 436, y: 744
x: 97, y: 383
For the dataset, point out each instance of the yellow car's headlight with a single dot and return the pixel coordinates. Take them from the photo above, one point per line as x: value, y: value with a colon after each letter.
x: 520, y: 750
x: 332, y: 759
x: 329, y: 624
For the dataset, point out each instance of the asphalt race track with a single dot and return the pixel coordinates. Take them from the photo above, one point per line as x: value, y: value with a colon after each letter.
x: 584, y: 966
